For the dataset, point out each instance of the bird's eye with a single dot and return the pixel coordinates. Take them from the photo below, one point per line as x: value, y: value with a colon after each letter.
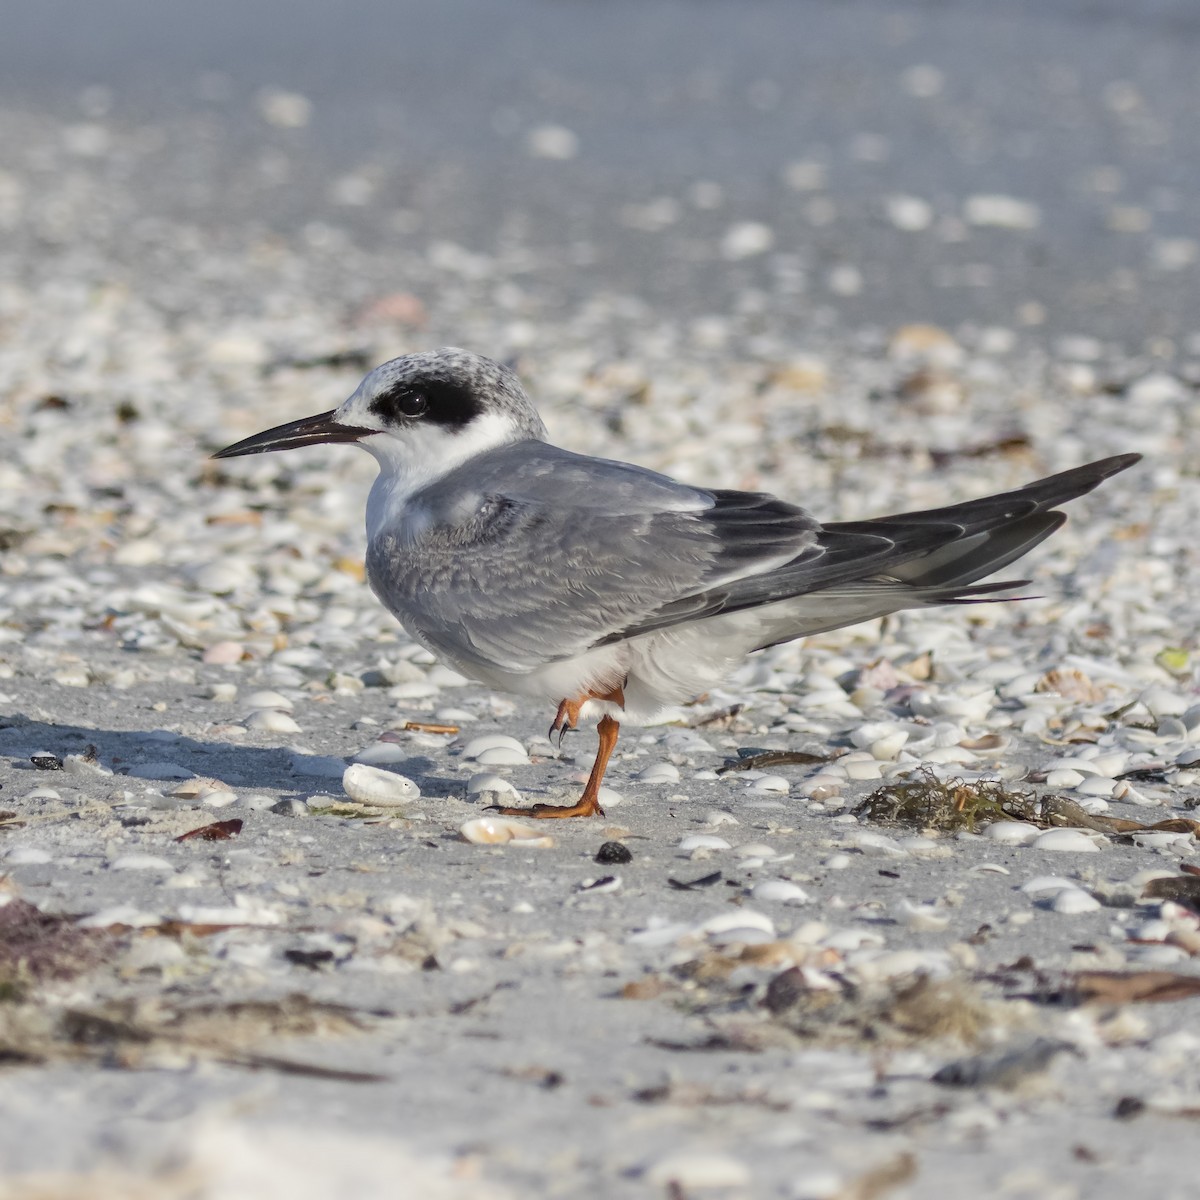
x: 411, y: 404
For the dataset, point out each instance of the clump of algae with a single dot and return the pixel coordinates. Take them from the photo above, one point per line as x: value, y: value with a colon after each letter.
x: 948, y: 805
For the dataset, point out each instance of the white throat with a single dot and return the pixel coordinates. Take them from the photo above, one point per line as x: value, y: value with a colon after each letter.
x: 422, y: 456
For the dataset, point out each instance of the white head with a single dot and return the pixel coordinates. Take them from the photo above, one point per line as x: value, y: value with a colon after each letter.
x: 420, y: 415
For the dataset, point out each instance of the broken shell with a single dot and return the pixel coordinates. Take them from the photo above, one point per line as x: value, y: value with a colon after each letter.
x: 495, y: 831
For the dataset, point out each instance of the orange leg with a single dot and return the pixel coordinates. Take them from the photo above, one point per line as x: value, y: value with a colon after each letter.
x: 588, y: 804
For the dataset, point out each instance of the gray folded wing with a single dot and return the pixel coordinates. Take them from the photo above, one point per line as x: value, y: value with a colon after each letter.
x: 532, y: 555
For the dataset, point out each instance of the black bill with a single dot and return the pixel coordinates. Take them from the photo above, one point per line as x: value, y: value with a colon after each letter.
x: 309, y: 431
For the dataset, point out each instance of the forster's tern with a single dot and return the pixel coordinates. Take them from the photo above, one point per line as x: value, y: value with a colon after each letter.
x: 606, y: 588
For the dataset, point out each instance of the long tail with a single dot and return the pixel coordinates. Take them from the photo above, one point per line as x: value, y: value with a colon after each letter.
x: 953, y: 546
x: 935, y: 556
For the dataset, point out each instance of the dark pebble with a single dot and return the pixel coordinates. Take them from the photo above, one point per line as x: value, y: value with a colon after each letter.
x: 614, y: 852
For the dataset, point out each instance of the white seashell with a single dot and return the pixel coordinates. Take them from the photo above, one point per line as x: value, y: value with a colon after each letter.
x: 1158, y: 839
x: 703, y: 841
x: 44, y: 793
x: 886, y: 748
x: 1071, y: 840
x: 822, y: 786
x: 610, y: 799
x: 221, y: 578
x: 872, y: 966
x: 662, y: 772
x: 877, y: 844
x: 1074, y: 900
x: 1111, y: 764
x: 716, y: 817
x: 871, y: 731
x: 1047, y: 883
x: 120, y: 914
x: 780, y: 891
x: 853, y: 939
x: 1012, y: 833
x: 660, y: 932
x: 740, y: 918
x: 219, y: 798
x: 837, y: 862
x: 27, y: 856
x: 759, y: 850
x: 443, y: 677
x: 513, y: 753
x: 487, y: 782
x: 77, y: 764
x: 1096, y: 785
x: 921, y: 845
x: 696, y: 1170
x: 224, y: 654
x: 414, y: 689
x: 1064, y: 777
x: 256, y: 802
x: 502, y: 756
x: 1162, y: 702
x: 272, y: 720
x: 378, y: 753
x: 771, y: 783
x: 496, y: 831
x: 269, y: 699
x: 245, y: 910
x: 140, y: 862
x: 986, y: 868
x: 863, y: 769
x: 683, y: 741
x: 949, y: 754
x: 921, y: 918
x: 383, y: 789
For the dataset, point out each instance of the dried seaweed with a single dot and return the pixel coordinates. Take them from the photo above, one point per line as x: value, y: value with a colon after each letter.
x: 895, y: 1011
x: 137, y: 1034
x: 947, y: 805
x: 37, y: 947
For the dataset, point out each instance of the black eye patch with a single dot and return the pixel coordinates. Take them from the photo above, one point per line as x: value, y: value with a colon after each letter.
x: 451, y: 405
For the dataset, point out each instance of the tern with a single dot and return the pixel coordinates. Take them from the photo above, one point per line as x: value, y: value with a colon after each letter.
x: 608, y: 589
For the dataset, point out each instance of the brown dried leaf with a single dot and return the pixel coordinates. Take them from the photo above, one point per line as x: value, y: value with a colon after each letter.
x: 1142, y: 987
x: 1183, y: 889
x: 218, y: 831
